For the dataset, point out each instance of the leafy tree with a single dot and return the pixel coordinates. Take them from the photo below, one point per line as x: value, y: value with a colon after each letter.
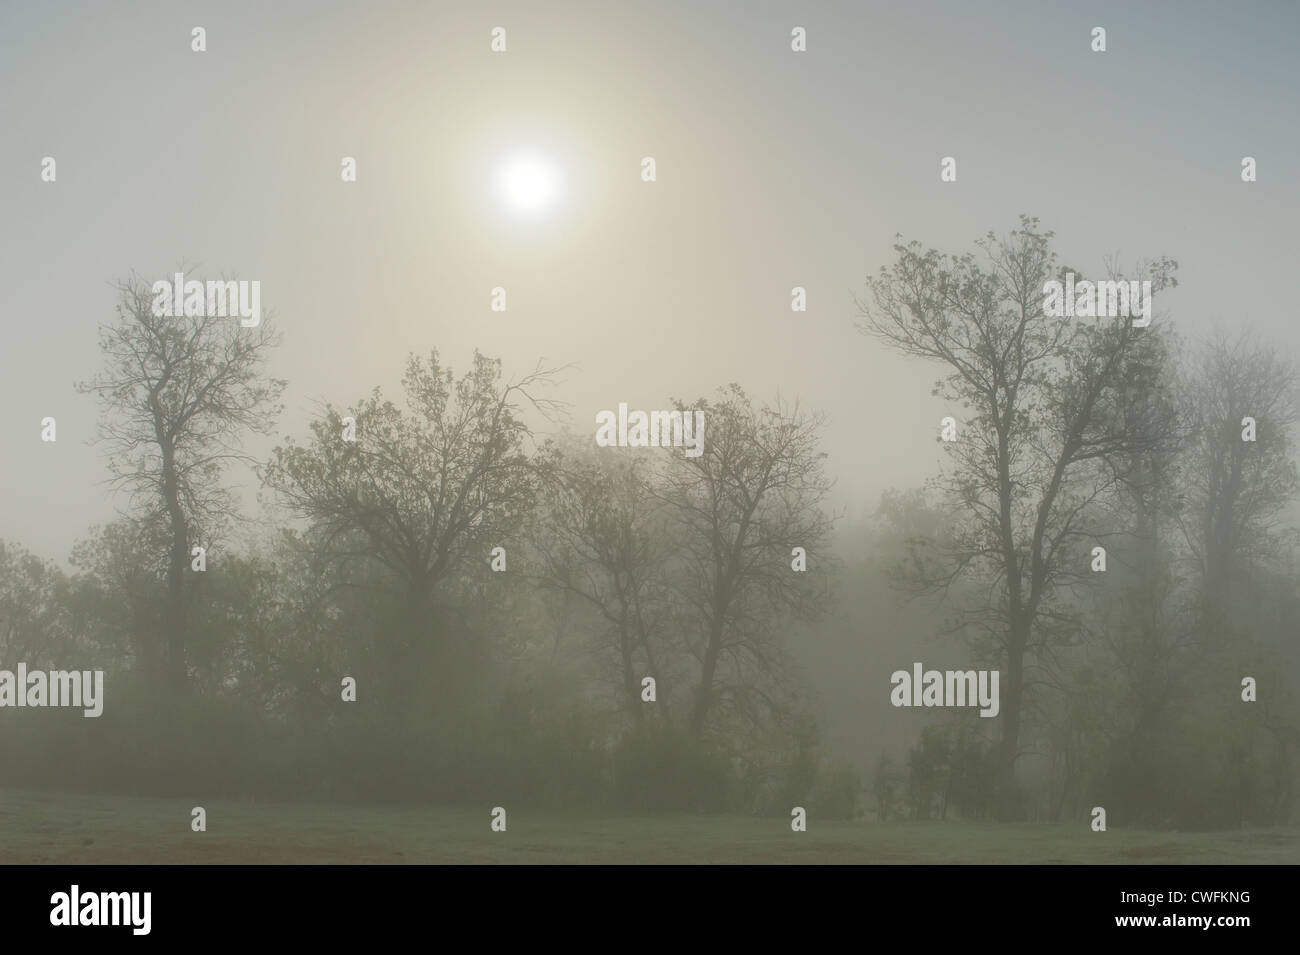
x: 1047, y: 402
x: 425, y: 493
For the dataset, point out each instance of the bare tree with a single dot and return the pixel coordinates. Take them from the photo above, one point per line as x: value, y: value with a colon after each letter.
x: 604, y: 538
x: 178, y: 396
x: 754, y: 494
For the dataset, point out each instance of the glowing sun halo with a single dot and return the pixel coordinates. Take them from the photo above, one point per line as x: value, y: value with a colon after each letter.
x: 528, y: 183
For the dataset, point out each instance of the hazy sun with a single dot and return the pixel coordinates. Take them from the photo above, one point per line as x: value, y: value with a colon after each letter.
x: 528, y: 182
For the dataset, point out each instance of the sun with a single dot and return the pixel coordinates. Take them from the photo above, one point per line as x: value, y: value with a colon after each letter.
x: 528, y: 182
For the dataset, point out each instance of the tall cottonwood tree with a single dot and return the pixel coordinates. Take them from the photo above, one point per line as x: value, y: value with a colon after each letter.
x: 178, y: 396
x: 1038, y: 449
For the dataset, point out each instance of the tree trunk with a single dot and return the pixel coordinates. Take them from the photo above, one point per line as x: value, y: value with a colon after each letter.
x: 174, y: 619
x: 704, y: 698
x: 175, y: 616
x: 1007, y: 797
x: 631, y: 688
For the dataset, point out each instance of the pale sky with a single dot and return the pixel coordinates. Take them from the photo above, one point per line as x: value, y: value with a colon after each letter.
x: 775, y: 169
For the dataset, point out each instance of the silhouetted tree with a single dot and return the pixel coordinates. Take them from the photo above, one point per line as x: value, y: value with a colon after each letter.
x: 178, y: 395
x: 1038, y: 450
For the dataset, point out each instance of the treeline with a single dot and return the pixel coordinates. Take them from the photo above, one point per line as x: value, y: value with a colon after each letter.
x: 439, y: 605
x: 452, y: 609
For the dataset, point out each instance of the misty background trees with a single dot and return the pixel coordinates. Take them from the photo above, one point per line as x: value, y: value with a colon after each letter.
x: 532, y: 619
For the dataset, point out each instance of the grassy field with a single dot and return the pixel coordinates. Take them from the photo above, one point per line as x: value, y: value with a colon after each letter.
x: 77, y: 829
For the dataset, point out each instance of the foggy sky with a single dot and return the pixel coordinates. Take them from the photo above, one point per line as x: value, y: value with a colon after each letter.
x: 775, y: 169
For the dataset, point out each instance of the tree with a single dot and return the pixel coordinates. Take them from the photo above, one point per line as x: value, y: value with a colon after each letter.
x: 886, y: 782
x: 1048, y: 423
x: 425, y: 493
x: 1237, y: 488
x: 178, y: 396
x: 120, y: 590
x: 33, y: 595
x: 1136, y: 613
x: 604, y: 538
x: 1236, y: 492
x: 754, y: 494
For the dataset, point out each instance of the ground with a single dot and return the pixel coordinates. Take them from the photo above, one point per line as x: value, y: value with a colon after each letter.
x: 37, y: 827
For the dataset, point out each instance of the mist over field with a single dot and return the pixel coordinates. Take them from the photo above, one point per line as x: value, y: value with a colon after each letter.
x: 683, y: 432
